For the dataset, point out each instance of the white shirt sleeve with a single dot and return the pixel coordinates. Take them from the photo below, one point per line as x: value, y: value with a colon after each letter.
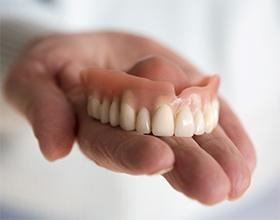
x: 19, y: 27
x: 15, y: 34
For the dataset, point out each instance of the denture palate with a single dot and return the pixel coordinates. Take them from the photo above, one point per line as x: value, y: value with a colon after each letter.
x: 148, y: 106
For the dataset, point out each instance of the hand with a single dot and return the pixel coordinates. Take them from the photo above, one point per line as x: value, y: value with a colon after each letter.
x: 44, y: 84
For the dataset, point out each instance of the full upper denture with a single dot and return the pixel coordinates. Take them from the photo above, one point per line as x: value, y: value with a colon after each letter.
x: 151, y: 105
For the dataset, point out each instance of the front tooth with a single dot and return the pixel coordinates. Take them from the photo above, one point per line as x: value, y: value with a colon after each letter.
x: 184, y: 124
x: 114, y: 113
x: 143, y: 122
x: 104, y: 111
x: 127, y: 113
x: 127, y: 117
x: 209, y: 118
x: 94, y: 107
x: 163, y: 121
x: 215, y: 106
x: 199, y: 123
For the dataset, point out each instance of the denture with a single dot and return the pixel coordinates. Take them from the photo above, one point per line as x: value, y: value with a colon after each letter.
x: 151, y: 106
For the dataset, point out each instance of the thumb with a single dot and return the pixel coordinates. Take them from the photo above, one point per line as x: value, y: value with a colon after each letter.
x: 33, y: 91
x: 158, y: 68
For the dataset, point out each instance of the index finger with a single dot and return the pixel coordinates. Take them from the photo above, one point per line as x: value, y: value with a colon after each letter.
x: 33, y: 91
x: 120, y: 150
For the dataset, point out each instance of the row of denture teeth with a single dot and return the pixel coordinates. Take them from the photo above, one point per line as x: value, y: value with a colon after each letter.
x: 163, y: 122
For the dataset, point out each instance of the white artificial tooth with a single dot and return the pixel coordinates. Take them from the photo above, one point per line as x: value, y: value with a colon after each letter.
x: 216, y: 107
x: 184, y: 124
x: 104, y: 111
x: 89, y: 107
x: 93, y: 107
x: 127, y: 112
x: 163, y: 121
x: 114, y: 113
x: 209, y: 118
x: 199, y: 123
x: 127, y: 117
x: 143, y: 121
x: 215, y: 103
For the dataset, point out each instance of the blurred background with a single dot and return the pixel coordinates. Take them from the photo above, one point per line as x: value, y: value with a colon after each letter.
x: 238, y: 39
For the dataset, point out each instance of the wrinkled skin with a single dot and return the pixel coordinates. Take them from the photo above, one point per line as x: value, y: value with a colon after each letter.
x: 44, y: 85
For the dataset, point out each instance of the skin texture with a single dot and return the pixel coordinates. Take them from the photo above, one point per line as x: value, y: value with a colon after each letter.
x: 44, y: 85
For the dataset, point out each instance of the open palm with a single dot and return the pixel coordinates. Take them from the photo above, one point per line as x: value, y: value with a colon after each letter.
x: 44, y: 84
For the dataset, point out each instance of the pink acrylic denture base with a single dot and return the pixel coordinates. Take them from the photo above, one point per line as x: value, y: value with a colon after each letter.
x: 148, y: 93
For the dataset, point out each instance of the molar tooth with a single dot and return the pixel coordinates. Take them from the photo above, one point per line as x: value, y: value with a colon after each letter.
x: 199, y: 123
x: 215, y: 103
x: 208, y: 118
x: 114, y: 113
x: 184, y: 124
x: 143, y: 121
x: 93, y: 107
x: 127, y: 113
x: 104, y: 111
x: 163, y: 121
x: 89, y: 107
x: 215, y: 107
